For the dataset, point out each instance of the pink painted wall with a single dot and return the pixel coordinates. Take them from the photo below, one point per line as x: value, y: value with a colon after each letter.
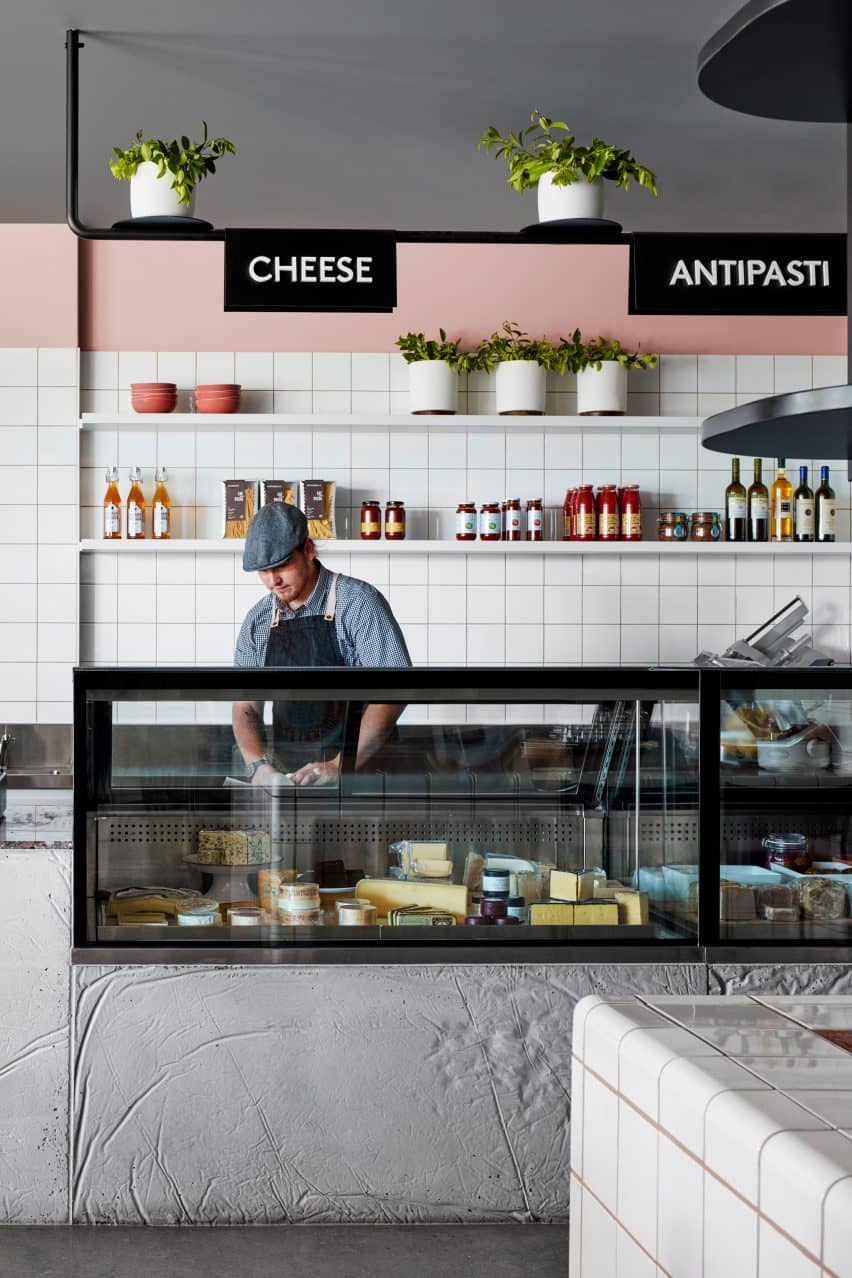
x: 38, y: 268
x: 169, y: 297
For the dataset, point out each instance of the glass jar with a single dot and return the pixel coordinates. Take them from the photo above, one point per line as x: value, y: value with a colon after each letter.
x: 568, y: 515
x: 200, y: 913
x: 789, y: 850
x: 489, y: 521
x: 535, y: 520
x: 514, y: 531
x: 705, y: 526
x: 608, y: 513
x: 371, y: 520
x: 395, y: 521
x: 672, y: 525
x: 631, y: 513
x: 585, y: 514
x: 504, y: 527
x: 466, y: 521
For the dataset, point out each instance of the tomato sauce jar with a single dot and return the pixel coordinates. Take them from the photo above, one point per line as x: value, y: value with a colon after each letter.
x: 466, y: 521
x: 585, y: 514
x: 489, y: 521
x: 609, y: 519
x: 395, y: 521
x: 535, y: 528
x: 513, y: 523
x: 371, y: 520
x: 631, y: 514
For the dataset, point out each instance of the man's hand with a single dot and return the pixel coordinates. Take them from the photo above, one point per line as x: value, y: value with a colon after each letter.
x: 269, y: 776
x: 316, y: 773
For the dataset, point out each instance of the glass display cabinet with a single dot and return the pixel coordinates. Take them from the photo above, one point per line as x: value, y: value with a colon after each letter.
x: 459, y: 810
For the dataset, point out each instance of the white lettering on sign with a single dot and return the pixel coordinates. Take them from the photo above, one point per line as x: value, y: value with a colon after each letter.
x: 311, y: 270
x: 751, y: 272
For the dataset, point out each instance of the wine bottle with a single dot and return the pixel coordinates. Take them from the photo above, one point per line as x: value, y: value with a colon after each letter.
x: 735, y: 505
x: 782, y: 504
x: 826, y: 512
x: 758, y: 505
x: 804, y: 507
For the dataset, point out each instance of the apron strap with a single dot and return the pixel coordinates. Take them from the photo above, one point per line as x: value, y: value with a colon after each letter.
x: 332, y: 599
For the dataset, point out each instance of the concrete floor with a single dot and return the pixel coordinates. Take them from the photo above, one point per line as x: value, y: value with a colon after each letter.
x: 321, y: 1251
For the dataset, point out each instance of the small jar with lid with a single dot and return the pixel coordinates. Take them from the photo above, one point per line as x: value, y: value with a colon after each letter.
x: 608, y: 513
x: 489, y: 521
x: 466, y: 521
x: 535, y: 520
x: 395, y: 521
x: 513, y: 522
x: 672, y: 525
x: 705, y: 525
x: 371, y: 520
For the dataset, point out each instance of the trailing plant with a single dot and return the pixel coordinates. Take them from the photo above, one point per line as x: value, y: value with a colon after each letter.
x: 188, y: 162
x: 512, y: 343
x: 415, y: 347
x: 549, y: 146
x: 595, y: 352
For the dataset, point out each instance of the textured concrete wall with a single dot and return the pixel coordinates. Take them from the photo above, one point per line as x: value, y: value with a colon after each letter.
x: 780, y: 978
x: 330, y: 1094
x: 35, y: 899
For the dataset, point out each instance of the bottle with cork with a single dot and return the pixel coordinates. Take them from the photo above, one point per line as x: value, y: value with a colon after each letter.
x: 162, y: 507
x: 135, y: 507
x: 112, y: 507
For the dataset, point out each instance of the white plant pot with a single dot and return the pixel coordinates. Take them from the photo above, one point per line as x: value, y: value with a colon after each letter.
x: 433, y: 387
x: 521, y: 386
x: 152, y: 196
x: 602, y: 393
x: 579, y: 199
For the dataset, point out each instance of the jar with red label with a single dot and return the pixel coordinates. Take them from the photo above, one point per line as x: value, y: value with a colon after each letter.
x: 503, y: 524
x: 395, y: 521
x: 568, y: 515
x: 631, y: 514
x: 609, y: 521
x: 371, y: 520
x: 585, y: 514
x: 489, y: 521
x: 535, y: 521
x: 466, y: 521
x: 514, y: 522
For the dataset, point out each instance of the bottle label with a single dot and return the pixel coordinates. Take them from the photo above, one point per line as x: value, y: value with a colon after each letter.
x: 783, y: 508
x: 135, y: 520
x: 489, y: 523
x: 112, y: 520
x: 161, y: 519
x: 608, y: 524
x: 805, y: 516
x: 369, y: 526
x: 759, y: 507
x: 736, y: 506
x: 513, y: 521
x: 827, y: 517
x: 465, y: 523
x: 584, y: 523
x: 631, y: 523
x: 533, y: 521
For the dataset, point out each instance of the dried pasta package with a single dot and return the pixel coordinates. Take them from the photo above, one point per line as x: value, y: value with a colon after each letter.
x: 239, y: 504
x: 284, y: 491
x: 317, y: 501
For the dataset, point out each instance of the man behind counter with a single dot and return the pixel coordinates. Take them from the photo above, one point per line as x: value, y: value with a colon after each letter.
x: 311, y: 617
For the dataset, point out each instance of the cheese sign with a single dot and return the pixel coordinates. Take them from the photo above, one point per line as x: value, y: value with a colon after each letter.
x: 754, y: 274
x: 302, y: 270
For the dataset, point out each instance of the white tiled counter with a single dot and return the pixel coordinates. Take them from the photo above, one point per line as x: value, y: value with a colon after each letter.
x: 711, y: 1137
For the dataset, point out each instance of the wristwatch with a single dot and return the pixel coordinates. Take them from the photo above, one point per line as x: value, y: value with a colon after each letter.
x: 257, y: 763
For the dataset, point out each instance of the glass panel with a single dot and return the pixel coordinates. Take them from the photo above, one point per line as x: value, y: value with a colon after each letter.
x: 786, y: 787
x: 557, y: 819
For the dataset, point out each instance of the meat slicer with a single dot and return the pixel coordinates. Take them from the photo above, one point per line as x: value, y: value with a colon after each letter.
x: 772, y: 644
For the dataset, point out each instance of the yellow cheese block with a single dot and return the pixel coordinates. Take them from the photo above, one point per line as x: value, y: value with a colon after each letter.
x: 143, y: 918
x: 632, y: 906
x: 551, y: 914
x: 607, y: 888
x: 572, y: 885
x: 431, y: 869
x: 596, y: 913
x: 390, y: 894
x: 126, y: 905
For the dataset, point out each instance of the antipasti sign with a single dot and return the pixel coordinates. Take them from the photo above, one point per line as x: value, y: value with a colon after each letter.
x: 754, y: 274
x: 299, y: 270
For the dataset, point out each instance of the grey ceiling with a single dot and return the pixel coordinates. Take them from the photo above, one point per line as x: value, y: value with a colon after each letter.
x: 367, y: 112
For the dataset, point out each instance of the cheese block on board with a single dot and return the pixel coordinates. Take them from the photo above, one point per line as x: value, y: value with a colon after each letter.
x: 596, y: 914
x: 124, y: 906
x: 572, y: 885
x: 551, y: 914
x: 607, y: 888
x: 390, y: 894
x: 233, y: 847
x: 632, y: 906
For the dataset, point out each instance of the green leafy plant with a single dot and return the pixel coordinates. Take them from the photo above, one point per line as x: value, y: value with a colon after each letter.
x: 512, y: 343
x: 595, y: 352
x: 188, y: 162
x: 549, y: 146
x: 415, y: 347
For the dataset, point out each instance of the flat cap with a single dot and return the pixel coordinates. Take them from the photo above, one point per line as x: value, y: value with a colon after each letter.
x: 274, y: 533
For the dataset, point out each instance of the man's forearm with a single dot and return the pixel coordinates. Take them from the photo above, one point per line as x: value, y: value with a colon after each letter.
x: 249, y: 732
x: 377, y: 723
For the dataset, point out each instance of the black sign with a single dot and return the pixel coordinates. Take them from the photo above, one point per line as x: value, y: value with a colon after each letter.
x: 279, y: 270
x: 738, y: 274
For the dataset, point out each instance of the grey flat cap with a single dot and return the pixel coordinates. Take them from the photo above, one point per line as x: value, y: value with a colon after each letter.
x: 274, y: 533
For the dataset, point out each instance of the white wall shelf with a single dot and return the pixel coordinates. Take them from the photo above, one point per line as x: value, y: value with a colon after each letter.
x: 233, y: 545
x: 373, y: 422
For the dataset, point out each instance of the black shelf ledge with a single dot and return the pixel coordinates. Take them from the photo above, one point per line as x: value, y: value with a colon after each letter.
x: 782, y: 59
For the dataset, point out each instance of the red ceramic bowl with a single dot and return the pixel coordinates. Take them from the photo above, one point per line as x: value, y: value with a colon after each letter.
x: 145, y: 388
x: 216, y: 388
x: 154, y: 405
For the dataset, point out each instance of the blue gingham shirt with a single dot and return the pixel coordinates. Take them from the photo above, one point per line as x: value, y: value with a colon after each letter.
x: 367, y: 631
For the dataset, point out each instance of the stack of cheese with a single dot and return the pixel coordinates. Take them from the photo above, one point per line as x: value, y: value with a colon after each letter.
x: 233, y: 847
x: 583, y: 898
x: 140, y: 907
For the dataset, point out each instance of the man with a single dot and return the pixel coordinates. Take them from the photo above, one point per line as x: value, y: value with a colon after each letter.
x: 311, y: 617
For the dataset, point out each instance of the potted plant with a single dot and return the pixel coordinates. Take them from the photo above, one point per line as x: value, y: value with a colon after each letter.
x: 569, y: 176
x: 522, y: 365
x: 433, y: 372
x: 601, y: 369
x: 163, y: 175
